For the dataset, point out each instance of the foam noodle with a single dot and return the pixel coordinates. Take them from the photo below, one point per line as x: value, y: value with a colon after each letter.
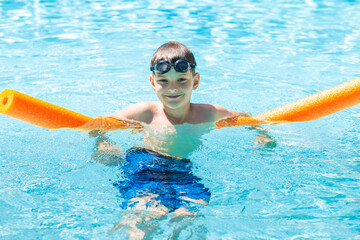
x: 43, y: 114
x: 309, y: 108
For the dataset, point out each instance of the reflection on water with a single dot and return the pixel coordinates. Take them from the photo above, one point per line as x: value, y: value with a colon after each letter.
x: 93, y: 57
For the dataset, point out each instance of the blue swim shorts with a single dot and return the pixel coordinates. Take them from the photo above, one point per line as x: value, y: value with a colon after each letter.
x: 169, y: 178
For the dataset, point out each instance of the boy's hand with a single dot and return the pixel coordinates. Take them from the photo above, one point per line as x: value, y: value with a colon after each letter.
x: 95, y: 133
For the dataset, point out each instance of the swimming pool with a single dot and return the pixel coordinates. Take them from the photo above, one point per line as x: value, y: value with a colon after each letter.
x: 93, y: 57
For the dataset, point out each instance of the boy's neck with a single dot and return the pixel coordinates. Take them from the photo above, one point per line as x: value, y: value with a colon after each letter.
x: 178, y: 115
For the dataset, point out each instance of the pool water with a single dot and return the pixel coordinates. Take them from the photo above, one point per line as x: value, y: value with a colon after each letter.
x: 93, y: 57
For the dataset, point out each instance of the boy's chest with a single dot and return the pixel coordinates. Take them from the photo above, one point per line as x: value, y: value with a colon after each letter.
x: 160, y: 118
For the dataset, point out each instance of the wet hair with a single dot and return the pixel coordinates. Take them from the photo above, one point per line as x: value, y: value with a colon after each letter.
x: 171, y: 52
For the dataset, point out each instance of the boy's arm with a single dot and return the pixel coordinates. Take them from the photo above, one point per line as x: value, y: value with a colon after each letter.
x: 263, y: 139
x: 142, y: 112
x: 222, y: 112
x: 106, y: 152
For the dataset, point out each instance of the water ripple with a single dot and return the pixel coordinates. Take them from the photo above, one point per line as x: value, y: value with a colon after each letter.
x: 93, y: 57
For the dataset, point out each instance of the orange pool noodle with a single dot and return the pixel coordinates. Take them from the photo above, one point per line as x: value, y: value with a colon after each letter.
x: 309, y: 108
x: 43, y: 114
x: 50, y: 116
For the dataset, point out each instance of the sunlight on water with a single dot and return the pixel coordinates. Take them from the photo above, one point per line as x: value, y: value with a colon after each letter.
x: 93, y: 57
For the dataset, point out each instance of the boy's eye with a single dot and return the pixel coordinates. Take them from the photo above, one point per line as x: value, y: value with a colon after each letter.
x: 162, y: 81
x: 181, y: 80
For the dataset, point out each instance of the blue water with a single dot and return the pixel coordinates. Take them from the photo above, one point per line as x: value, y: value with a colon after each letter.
x: 93, y: 57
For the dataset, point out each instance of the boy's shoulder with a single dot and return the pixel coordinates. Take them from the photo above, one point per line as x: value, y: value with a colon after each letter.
x: 141, y: 111
x: 209, y: 112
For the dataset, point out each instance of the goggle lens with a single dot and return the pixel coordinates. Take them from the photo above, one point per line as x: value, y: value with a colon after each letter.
x: 162, y: 67
x: 181, y: 66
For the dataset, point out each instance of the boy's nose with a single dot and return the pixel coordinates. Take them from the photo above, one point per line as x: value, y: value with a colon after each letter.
x: 172, y: 87
x: 172, y: 90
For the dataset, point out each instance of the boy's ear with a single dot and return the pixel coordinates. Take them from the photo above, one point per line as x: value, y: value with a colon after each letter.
x: 152, y: 81
x: 196, y: 81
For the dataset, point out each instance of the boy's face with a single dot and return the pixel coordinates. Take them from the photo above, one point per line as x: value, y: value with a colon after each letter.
x: 174, y: 88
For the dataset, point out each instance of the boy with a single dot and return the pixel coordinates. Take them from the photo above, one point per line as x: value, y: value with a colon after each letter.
x: 157, y: 181
x: 173, y: 79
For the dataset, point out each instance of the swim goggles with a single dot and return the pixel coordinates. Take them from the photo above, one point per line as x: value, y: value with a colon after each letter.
x: 180, y: 65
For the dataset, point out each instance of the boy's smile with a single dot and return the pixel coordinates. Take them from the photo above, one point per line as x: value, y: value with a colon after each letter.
x: 173, y: 96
